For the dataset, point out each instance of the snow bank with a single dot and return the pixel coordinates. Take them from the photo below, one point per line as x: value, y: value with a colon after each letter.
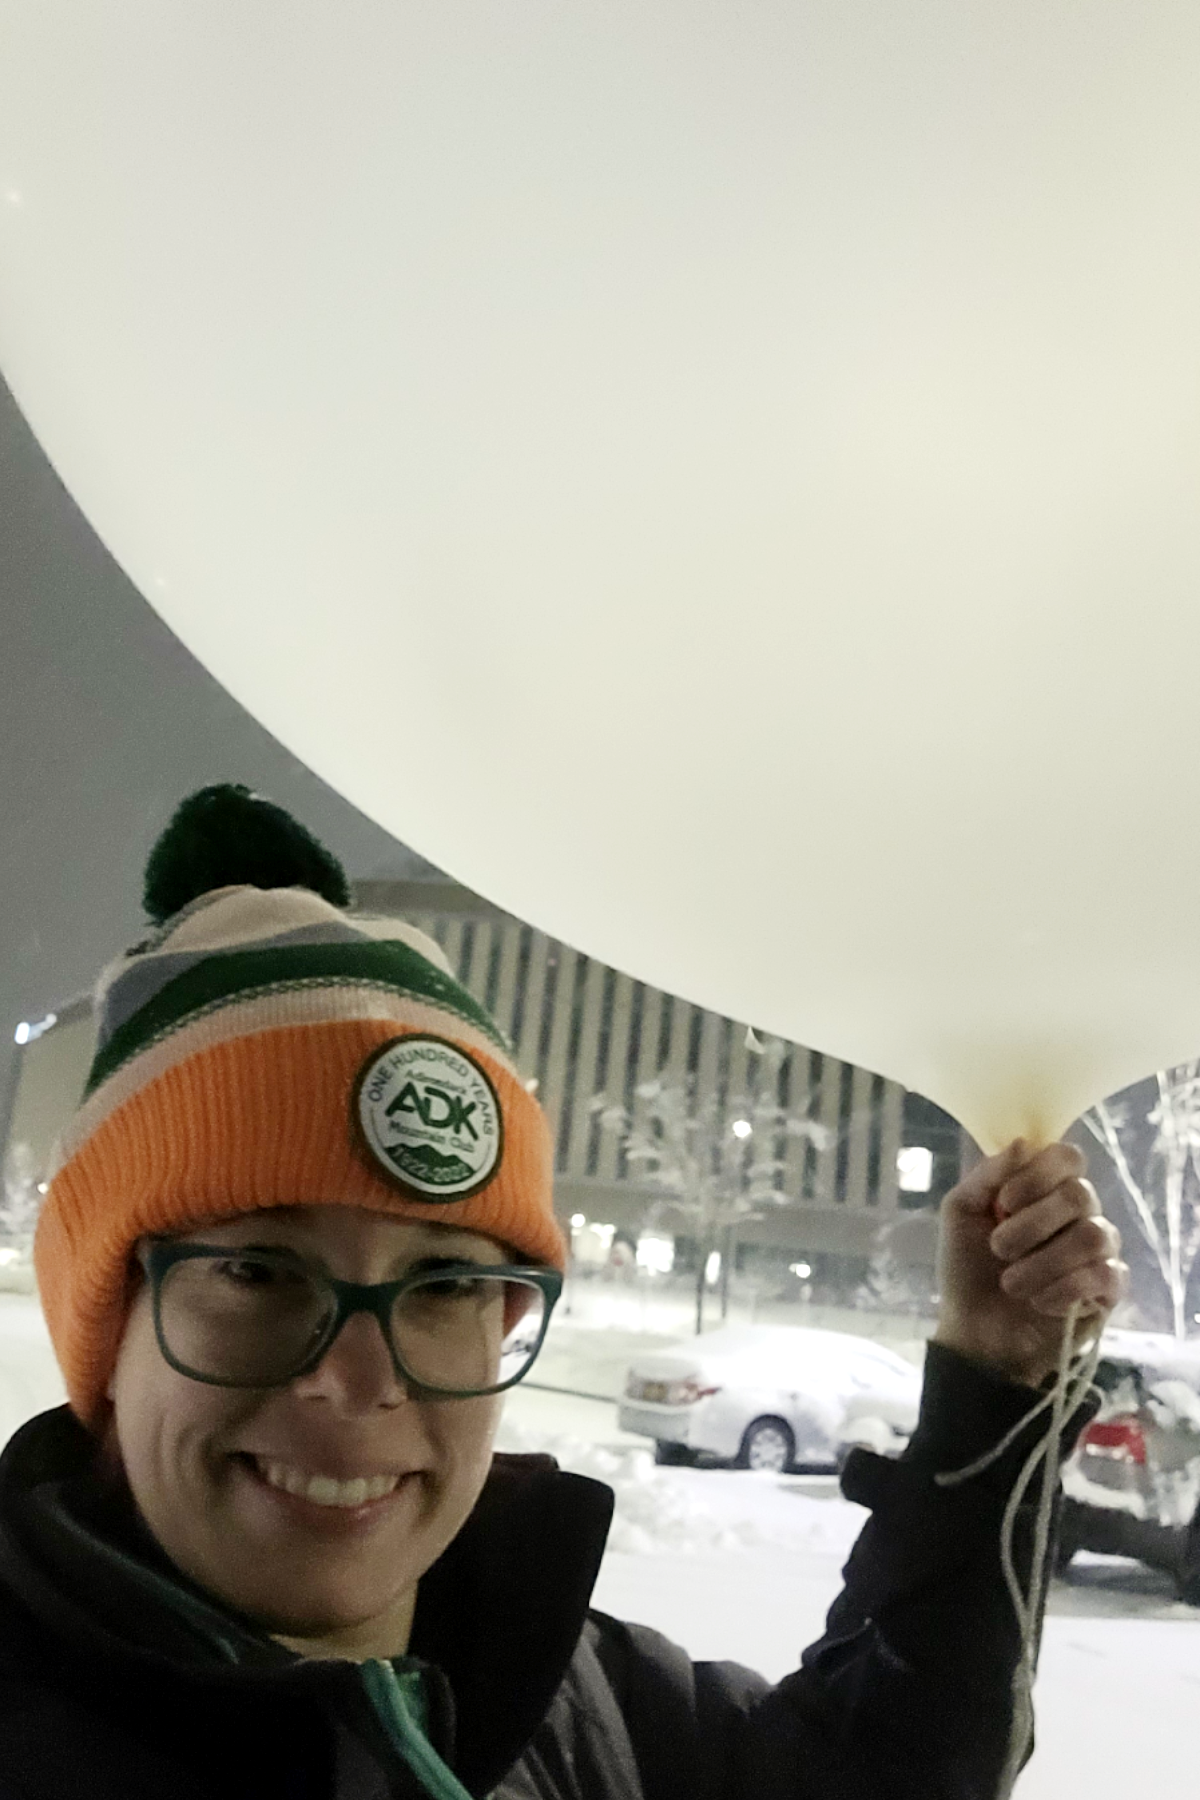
x: 29, y: 1378
x: 651, y: 1514
x: 693, y: 1511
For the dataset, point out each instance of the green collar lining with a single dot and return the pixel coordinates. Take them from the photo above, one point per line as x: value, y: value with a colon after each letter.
x: 399, y: 1703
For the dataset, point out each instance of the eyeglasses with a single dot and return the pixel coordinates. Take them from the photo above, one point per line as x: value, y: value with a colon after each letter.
x: 258, y: 1318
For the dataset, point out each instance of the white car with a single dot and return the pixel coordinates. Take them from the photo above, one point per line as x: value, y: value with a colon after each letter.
x: 767, y: 1396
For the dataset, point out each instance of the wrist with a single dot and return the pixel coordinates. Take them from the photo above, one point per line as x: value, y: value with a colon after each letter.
x: 1007, y: 1362
x: 966, y: 1408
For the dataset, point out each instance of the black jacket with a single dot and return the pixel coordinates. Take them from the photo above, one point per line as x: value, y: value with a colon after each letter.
x: 120, y: 1681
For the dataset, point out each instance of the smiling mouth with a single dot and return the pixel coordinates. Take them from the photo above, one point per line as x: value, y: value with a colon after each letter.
x: 322, y: 1490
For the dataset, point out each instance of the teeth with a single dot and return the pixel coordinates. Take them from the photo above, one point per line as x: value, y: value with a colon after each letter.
x: 323, y: 1490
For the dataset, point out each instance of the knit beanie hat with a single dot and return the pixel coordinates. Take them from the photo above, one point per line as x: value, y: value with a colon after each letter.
x: 266, y: 1047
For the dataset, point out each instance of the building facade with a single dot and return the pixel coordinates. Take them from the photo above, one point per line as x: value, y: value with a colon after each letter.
x: 591, y: 1037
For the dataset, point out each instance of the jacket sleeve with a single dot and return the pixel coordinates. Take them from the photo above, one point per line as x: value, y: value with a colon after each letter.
x: 908, y: 1695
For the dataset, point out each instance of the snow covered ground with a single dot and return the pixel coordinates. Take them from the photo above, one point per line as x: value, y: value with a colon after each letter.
x: 734, y: 1565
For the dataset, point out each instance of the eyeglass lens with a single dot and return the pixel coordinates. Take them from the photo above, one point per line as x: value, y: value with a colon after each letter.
x: 255, y: 1320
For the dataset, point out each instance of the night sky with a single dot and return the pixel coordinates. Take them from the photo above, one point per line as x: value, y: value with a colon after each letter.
x: 106, y: 721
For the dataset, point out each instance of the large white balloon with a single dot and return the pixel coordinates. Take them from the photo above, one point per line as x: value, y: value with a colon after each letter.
x: 720, y: 479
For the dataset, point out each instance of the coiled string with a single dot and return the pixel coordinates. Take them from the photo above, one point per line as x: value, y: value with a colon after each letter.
x: 1072, y: 1381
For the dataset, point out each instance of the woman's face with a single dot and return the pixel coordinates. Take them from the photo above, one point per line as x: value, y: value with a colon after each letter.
x: 204, y: 1463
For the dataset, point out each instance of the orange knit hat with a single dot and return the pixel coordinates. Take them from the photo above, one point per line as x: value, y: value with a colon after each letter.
x: 268, y: 1048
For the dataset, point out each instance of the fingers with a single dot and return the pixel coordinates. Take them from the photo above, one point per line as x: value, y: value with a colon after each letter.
x: 1043, y: 1217
x: 1057, y: 1248
x: 1095, y: 1286
x: 1089, y: 1244
x: 1039, y: 1175
x: 1015, y: 1177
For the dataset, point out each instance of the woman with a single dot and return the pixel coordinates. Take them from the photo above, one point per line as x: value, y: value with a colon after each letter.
x: 299, y: 1240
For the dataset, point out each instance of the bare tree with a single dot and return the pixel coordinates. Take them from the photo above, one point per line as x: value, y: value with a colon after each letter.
x: 1155, y: 1154
x: 715, y: 1157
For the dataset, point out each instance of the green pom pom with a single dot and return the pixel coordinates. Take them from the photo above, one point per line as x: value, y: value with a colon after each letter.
x: 226, y: 836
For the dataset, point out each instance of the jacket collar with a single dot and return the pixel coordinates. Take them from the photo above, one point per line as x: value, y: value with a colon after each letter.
x: 499, y: 1615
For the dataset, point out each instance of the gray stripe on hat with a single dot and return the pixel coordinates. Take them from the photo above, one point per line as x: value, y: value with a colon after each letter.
x: 146, y: 976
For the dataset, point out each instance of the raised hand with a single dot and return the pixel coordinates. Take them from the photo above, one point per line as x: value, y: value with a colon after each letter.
x: 1022, y: 1240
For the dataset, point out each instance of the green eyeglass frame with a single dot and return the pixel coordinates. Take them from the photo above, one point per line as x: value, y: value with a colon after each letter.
x: 159, y: 1255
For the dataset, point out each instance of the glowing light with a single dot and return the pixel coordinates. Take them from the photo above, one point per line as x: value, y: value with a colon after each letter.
x: 27, y: 1033
x: 914, y: 1166
x: 741, y: 1128
x: 656, y: 1254
x: 801, y: 1269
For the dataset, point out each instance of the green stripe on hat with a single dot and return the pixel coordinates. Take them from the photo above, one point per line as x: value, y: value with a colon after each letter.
x: 231, y: 975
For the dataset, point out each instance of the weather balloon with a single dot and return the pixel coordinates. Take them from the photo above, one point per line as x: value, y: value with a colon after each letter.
x: 720, y: 480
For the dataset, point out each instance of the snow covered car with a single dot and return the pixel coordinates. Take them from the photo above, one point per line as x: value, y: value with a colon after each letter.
x: 863, y: 1428
x: 1157, y: 1354
x: 1139, y: 1456
x: 767, y: 1396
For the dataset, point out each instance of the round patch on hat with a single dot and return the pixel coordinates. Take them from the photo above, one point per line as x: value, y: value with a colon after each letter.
x: 430, y: 1117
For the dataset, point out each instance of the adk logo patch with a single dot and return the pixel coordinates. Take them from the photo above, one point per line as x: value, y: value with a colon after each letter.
x: 430, y: 1117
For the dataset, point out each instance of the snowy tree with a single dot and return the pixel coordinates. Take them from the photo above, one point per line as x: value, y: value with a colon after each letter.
x: 20, y: 1198
x: 715, y: 1157
x: 892, y: 1284
x: 1155, y: 1154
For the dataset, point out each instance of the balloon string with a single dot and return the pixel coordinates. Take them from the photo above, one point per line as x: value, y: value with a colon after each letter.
x: 1072, y: 1381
